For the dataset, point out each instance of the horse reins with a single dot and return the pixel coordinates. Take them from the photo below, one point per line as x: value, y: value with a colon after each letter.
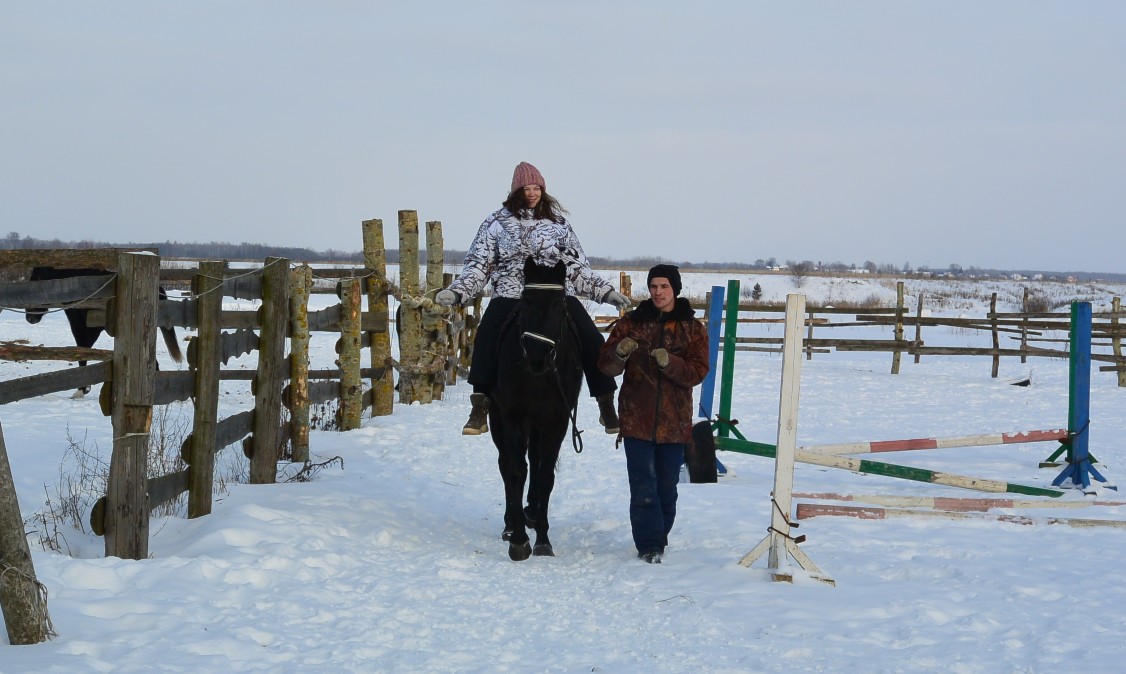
x: 576, y: 435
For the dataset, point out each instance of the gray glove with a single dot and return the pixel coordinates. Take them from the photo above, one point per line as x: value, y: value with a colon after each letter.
x: 447, y: 298
x: 625, y: 347
x: 661, y: 356
x: 617, y: 299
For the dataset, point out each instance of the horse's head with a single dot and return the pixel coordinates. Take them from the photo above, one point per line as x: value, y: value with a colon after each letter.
x: 542, y: 318
x: 34, y: 315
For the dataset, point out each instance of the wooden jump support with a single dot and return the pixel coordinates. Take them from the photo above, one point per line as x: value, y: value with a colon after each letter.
x: 778, y: 542
x: 1079, y: 467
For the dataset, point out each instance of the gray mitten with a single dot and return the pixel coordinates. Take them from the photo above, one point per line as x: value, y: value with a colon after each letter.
x: 446, y: 298
x: 626, y: 347
x: 617, y: 299
x: 661, y: 356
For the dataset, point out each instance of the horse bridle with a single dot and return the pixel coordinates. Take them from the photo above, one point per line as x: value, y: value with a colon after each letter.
x: 576, y: 435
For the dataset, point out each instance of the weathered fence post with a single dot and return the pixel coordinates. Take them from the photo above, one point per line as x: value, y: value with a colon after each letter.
x: 918, y: 327
x: 273, y: 321
x: 625, y: 282
x: 469, y: 333
x: 1024, y: 326
x: 1116, y: 341
x: 996, y: 335
x: 205, y: 357
x: 300, y: 282
x: 348, y: 349
x: 809, y: 336
x: 23, y: 599
x: 133, y: 319
x: 410, y: 317
x: 896, y: 355
x: 375, y: 259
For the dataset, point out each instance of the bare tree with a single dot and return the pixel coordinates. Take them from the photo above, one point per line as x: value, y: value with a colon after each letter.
x: 799, y: 271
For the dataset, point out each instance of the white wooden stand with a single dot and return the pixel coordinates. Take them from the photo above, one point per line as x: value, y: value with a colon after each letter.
x: 779, y: 541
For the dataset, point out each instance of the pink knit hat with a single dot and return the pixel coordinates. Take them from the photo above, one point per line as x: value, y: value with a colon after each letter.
x: 526, y: 174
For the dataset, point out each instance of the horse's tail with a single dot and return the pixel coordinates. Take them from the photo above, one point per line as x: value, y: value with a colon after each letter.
x: 173, y: 345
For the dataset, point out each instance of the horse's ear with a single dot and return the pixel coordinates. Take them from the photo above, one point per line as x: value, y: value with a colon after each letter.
x: 529, y: 264
x: 559, y: 271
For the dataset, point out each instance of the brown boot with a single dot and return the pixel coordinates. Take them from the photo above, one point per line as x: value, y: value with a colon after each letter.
x: 479, y: 417
x: 607, y: 414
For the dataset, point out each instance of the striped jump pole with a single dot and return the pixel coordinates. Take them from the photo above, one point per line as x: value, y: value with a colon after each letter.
x: 958, y: 504
x: 867, y: 467
x: 979, y: 440
x: 808, y: 510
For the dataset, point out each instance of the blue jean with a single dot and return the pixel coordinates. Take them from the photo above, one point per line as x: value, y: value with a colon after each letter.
x: 654, y: 470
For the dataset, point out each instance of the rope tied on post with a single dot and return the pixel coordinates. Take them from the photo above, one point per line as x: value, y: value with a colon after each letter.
x: 786, y: 518
x: 40, y: 614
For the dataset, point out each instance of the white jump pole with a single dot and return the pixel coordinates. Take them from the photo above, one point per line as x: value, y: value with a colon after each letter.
x: 778, y: 541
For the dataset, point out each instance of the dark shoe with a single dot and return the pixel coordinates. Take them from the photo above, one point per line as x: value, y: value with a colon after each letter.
x: 607, y: 415
x: 651, y: 557
x: 479, y: 417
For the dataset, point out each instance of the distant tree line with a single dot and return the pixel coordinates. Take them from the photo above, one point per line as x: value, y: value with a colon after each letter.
x: 798, y: 270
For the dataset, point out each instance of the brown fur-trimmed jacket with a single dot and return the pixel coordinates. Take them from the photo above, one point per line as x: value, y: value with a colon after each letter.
x: 656, y: 404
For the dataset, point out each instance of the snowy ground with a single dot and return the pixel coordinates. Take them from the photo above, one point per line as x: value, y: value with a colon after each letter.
x: 394, y: 563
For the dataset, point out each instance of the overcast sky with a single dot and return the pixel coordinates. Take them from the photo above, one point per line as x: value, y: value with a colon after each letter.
x: 987, y: 134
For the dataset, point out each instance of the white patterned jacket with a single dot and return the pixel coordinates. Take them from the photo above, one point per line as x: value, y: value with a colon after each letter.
x: 505, y: 240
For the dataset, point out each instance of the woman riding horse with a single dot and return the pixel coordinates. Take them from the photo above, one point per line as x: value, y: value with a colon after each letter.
x: 531, y: 223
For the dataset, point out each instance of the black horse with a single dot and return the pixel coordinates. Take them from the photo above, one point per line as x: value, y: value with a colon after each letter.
x: 85, y: 335
x: 539, y: 372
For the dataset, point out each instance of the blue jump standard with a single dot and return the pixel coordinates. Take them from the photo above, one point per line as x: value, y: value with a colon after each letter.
x: 707, y: 388
x: 1079, y: 467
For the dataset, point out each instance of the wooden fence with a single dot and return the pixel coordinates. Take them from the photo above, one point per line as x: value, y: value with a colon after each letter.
x: 125, y: 301
x: 1031, y: 331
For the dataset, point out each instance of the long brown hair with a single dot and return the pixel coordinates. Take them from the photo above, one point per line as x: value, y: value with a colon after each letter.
x: 548, y: 207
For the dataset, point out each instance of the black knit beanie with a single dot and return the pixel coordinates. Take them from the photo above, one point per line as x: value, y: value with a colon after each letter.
x: 669, y: 271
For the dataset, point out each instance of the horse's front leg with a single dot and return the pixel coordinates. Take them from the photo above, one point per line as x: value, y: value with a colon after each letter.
x: 543, y: 451
x: 514, y: 472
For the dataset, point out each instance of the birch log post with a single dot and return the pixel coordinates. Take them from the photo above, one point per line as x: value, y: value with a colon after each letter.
x: 349, y: 349
x: 433, y: 321
x: 300, y: 283
x: 453, y: 335
x: 410, y: 317
x: 375, y: 259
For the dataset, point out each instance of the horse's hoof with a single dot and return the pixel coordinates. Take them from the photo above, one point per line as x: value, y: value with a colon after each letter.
x: 506, y: 535
x: 543, y: 550
x: 518, y: 552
